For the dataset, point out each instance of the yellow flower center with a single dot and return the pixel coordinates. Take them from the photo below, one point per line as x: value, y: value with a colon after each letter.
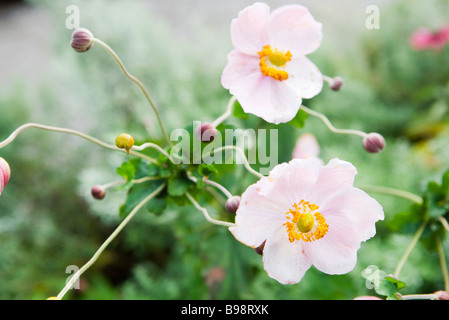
x: 275, y: 64
x: 306, y: 223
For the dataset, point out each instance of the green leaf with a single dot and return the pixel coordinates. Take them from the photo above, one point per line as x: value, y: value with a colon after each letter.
x: 206, y: 169
x: 397, y: 283
x: 178, y: 185
x: 157, y: 205
x: 386, y: 288
x: 238, y: 111
x: 128, y: 169
x: 299, y: 120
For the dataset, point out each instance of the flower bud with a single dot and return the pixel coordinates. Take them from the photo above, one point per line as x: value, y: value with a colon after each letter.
x: 259, y: 249
x: 124, y: 141
x: 232, y: 204
x: 206, y: 132
x: 98, y: 192
x: 5, y: 174
x: 337, y: 83
x: 442, y: 295
x: 373, y: 142
x: 82, y: 40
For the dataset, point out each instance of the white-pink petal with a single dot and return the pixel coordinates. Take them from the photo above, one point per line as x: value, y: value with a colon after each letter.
x: 304, y: 77
x: 293, y: 28
x: 283, y: 260
x: 249, y: 29
x: 331, y: 256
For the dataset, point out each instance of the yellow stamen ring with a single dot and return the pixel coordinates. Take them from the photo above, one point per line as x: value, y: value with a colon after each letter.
x: 306, y: 223
x: 277, y: 59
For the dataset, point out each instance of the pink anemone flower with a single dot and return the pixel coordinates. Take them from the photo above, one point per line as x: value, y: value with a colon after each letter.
x: 268, y: 71
x: 307, y: 214
x: 5, y: 173
x: 423, y: 39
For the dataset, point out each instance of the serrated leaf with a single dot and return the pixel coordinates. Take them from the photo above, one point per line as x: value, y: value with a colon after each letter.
x: 128, y: 169
x: 206, y: 169
x: 178, y: 185
x: 157, y: 205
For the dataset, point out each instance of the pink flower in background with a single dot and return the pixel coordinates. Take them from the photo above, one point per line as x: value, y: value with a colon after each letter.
x: 268, y: 71
x: 5, y: 174
x: 423, y: 39
x: 308, y: 214
x: 306, y: 147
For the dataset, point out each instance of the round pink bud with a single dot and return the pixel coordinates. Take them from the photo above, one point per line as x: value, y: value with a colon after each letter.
x: 5, y: 173
x: 337, y: 83
x: 98, y: 192
x: 232, y: 204
x: 259, y: 249
x: 442, y: 295
x: 82, y: 40
x: 206, y: 132
x: 374, y: 142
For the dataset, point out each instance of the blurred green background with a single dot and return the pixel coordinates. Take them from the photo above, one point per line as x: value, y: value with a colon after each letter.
x: 48, y: 221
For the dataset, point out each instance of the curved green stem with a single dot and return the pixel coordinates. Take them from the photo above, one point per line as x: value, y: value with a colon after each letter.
x: 227, y: 113
x: 94, y: 258
x: 206, y: 214
x: 139, y: 84
x: 407, y: 252
x: 443, y: 262
x: 20, y: 129
x: 329, y: 124
x: 394, y: 192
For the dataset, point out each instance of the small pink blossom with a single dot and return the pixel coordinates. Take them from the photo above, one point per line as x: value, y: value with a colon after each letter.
x: 268, y: 71
x: 423, y: 39
x: 5, y: 174
x: 308, y: 214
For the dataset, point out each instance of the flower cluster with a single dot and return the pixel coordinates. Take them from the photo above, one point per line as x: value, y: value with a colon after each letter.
x: 304, y: 213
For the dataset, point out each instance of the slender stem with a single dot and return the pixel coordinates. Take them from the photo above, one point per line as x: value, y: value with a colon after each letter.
x: 443, y: 262
x: 212, y: 183
x: 430, y: 296
x: 153, y: 146
x: 20, y: 129
x: 330, y: 126
x: 219, y: 187
x: 206, y: 214
x: 409, y: 249
x: 94, y: 258
x: 139, y: 83
x: 135, y: 181
x: 444, y: 223
x: 225, y: 115
x: 394, y: 192
x: 245, y: 159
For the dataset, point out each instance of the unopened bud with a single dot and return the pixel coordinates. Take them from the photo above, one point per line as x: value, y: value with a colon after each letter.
x: 373, y: 142
x: 337, y: 83
x: 206, y: 132
x: 98, y: 192
x: 5, y: 174
x: 124, y: 141
x: 259, y: 249
x: 82, y: 40
x: 442, y: 295
x: 232, y: 204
